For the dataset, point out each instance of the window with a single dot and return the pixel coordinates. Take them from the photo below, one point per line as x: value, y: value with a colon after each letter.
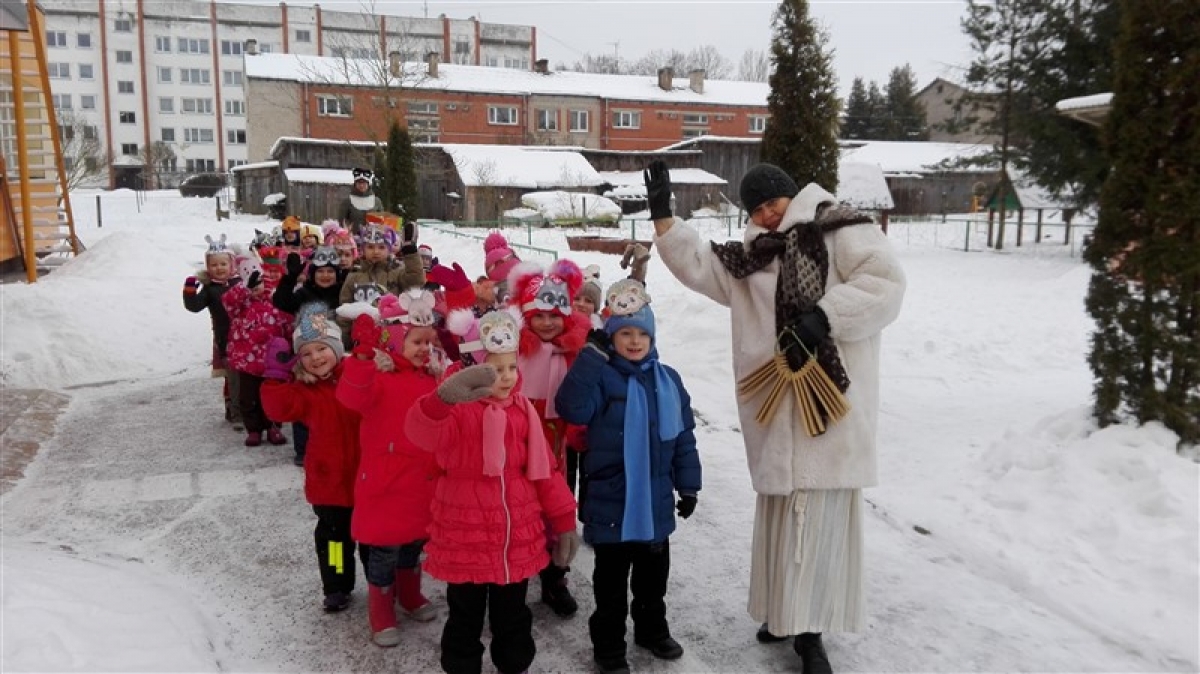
x: 303, y: 36
x: 579, y: 120
x: 201, y: 106
x: 695, y: 119
x: 462, y: 47
x: 164, y: 74
x: 424, y: 137
x: 168, y: 135
x: 56, y: 38
x: 90, y: 132
x: 85, y: 71
x: 166, y: 105
x: 232, y: 163
x: 66, y: 134
x: 83, y: 40
x: 167, y: 165
x: 492, y: 62
x: 200, y: 165
x: 694, y: 132
x: 123, y: 26
x: 506, y: 115
x: 61, y: 101
x: 68, y: 163
x: 758, y: 123
x: 162, y: 44
x: 265, y: 48
x: 423, y: 124
x: 59, y: 71
x: 334, y: 106
x: 193, y: 76
x: 198, y: 135
x: 87, y: 102
x: 235, y: 108
x: 235, y: 136
x: 192, y: 46
x: 129, y: 149
x: 627, y: 119
x: 233, y: 78
x: 124, y: 56
x: 422, y: 108
x: 127, y: 117
x: 231, y: 48
x: 516, y: 64
x: 547, y: 120
x: 125, y: 87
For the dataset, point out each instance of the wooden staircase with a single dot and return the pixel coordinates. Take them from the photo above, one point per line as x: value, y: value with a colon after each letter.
x: 38, y: 226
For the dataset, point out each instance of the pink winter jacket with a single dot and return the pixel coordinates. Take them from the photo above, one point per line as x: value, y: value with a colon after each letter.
x: 253, y: 321
x: 394, y: 486
x: 486, y: 529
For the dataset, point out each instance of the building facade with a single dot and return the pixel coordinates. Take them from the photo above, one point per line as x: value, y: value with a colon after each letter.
x: 947, y: 118
x: 162, y: 81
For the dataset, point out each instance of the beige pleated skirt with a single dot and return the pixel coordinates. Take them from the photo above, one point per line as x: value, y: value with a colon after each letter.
x: 806, y: 566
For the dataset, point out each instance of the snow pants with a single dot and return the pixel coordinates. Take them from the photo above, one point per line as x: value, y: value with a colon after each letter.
x: 622, y: 568
x: 510, y: 620
x: 335, y: 548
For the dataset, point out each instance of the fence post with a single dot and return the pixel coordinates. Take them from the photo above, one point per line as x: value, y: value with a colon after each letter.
x: 632, y: 229
x: 99, y: 214
x: 967, y: 238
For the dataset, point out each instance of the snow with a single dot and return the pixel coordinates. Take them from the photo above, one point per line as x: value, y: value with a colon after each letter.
x: 1007, y: 534
x: 1081, y: 102
x: 481, y: 79
x: 559, y: 205
x: 685, y: 176
x: 896, y: 157
x: 273, y: 198
x: 1033, y: 195
x: 256, y: 165
x: 509, y: 166
x: 863, y: 186
x: 320, y: 176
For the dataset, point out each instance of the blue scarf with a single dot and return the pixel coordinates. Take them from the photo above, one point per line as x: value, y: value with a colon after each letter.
x: 638, y: 524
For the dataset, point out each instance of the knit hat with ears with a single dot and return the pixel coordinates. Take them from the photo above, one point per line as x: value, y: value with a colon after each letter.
x: 764, y: 182
x: 314, y: 324
x: 379, y: 234
x: 534, y: 290
x: 272, y: 256
x: 218, y: 247
x: 494, y: 332
x: 499, y: 258
x: 591, y: 286
x: 324, y: 256
x: 312, y: 230
x: 340, y: 238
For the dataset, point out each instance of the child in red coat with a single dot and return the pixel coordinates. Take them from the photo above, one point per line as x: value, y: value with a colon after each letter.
x: 551, y: 339
x: 331, y: 461
x: 491, y: 504
x: 396, y: 477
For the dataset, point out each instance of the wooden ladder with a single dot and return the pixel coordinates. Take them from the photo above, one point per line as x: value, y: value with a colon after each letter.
x: 38, y: 206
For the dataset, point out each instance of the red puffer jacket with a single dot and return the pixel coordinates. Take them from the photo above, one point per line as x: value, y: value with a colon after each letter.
x: 486, y: 529
x: 331, y: 460
x: 253, y: 321
x: 395, y: 477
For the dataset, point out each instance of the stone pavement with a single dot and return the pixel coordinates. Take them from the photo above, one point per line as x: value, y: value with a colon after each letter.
x: 27, y: 419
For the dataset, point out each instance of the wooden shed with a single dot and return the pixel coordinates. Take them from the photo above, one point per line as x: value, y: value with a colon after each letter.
x: 253, y: 182
x: 1023, y: 194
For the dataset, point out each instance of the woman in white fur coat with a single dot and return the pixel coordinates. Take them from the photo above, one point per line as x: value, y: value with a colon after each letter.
x: 826, y: 277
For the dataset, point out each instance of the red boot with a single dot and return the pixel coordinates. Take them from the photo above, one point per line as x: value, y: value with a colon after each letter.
x: 275, y: 436
x: 253, y: 439
x: 382, y: 616
x: 408, y: 594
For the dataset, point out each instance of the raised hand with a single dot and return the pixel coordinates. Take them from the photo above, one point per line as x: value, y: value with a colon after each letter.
x: 658, y: 189
x: 279, y: 360
x: 191, y: 285
x: 450, y: 278
x: 467, y: 385
x: 366, y: 335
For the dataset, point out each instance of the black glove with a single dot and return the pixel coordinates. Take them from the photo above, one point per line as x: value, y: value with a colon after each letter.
x: 408, y: 233
x: 806, y: 334
x: 294, y: 265
x: 599, y: 341
x: 686, y: 506
x: 255, y: 280
x: 658, y: 189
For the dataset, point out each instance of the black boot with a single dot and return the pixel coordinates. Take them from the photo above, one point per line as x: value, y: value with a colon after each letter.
x: 812, y: 653
x: 764, y: 636
x: 555, y: 593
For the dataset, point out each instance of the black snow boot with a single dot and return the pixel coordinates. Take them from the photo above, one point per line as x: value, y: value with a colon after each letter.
x: 555, y: 593
x: 764, y: 636
x: 812, y: 653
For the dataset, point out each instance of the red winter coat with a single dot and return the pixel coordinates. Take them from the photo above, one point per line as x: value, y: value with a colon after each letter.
x: 253, y: 322
x: 571, y: 341
x: 331, y: 460
x: 395, y: 479
x: 486, y: 529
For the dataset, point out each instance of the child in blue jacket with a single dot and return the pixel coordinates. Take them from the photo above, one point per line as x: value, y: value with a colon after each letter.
x: 641, y: 453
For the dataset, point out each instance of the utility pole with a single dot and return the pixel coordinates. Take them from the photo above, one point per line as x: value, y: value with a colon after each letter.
x: 616, y: 57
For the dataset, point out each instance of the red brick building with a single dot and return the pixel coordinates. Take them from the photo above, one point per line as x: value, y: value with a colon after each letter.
x: 323, y: 97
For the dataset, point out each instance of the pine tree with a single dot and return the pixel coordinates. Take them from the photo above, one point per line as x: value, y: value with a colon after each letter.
x: 905, y: 116
x: 877, y: 104
x: 398, y: 183
x: 858, y: 112
x: 1145, y: 253
x: 801, y: 135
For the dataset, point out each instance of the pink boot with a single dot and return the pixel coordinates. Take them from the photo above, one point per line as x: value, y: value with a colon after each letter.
x: 408, y: 594
x: 382, y: 616
x: 253, y: 439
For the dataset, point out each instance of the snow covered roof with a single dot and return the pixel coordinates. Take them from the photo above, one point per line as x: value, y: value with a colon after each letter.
x: 1034, y: 196
x: 297, y: 140
x: 256, y: 165
x: 1079, y: 102
x: 897, y: 157
x: 323, y: 176
x: 682, y: 176
x: 689, y: 142
x: 480, y: 79
x: 509, y: 166
x: 862, y: 185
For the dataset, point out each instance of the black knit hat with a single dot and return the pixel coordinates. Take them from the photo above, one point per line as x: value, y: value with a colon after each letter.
x: 763, y: 183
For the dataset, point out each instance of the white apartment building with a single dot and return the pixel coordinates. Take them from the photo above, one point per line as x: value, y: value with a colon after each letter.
x: 167, y: 74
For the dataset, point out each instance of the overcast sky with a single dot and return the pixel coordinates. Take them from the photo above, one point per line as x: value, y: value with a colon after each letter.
x: 869, y: 37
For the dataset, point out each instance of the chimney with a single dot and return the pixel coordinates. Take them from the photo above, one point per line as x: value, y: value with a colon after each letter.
x: 696, y: 82
x: 432, y: 58
x: 395, y: 65
x: 542, y: 66
x: 251, y: 47
x: 666, y: 78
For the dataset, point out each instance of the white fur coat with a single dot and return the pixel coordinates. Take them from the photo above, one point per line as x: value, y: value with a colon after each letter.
x: 864, y: 290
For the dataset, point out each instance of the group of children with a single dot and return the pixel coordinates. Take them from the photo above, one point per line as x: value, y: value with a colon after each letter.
x: 450, y: 420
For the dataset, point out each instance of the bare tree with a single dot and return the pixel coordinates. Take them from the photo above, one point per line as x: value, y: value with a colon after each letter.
x: 82, y: 151
x: 755, y: 66
x: 711, y: 61
x: 610, y: 65
x: 159, y: 160
x: 660, y: 58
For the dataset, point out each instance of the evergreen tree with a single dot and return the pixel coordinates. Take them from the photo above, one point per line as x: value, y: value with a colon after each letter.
x: 877, y: 104
x: 801, y: 135
x: 905, y: 116
x: 400, y: 192
x: 1145, y: 253
x: 858, y: 112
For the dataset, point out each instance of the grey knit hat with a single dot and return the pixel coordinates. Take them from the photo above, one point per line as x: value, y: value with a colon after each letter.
x: 764, y: 182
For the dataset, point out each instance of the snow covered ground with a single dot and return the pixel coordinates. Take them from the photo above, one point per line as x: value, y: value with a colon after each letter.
x: 1008, y: 534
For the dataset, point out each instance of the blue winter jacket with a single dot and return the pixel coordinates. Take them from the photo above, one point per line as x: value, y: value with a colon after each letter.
x: 593, y: 394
